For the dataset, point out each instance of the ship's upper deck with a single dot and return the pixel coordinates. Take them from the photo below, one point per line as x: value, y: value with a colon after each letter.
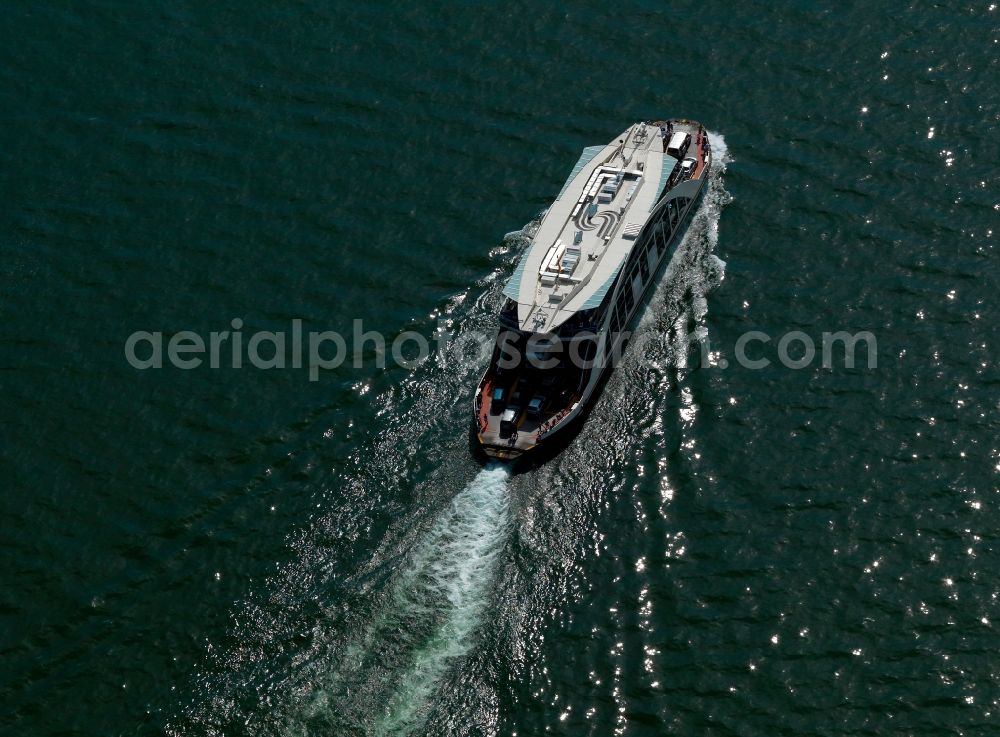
x: 589, y: 230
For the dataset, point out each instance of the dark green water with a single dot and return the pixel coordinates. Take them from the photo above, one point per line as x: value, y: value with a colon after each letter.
x: 719, y: 551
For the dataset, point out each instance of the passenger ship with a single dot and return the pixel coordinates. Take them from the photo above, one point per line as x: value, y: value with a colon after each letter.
x: 577, y: 286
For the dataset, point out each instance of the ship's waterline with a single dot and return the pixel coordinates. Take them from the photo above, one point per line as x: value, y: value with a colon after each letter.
x: 592, y: 261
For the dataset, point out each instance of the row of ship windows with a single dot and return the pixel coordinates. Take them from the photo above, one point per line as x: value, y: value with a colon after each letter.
x: 643, y: 262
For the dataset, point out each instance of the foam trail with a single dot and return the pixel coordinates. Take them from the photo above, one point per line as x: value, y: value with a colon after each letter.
x: 451, y: 572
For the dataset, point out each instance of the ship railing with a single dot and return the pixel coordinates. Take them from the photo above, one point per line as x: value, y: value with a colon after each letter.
x: 551, y: 423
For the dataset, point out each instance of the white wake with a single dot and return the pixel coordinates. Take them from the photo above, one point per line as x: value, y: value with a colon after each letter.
x: 453, y: 568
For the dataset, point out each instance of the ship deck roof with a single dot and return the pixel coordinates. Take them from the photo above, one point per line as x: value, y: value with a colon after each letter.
x: 589, y: 230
